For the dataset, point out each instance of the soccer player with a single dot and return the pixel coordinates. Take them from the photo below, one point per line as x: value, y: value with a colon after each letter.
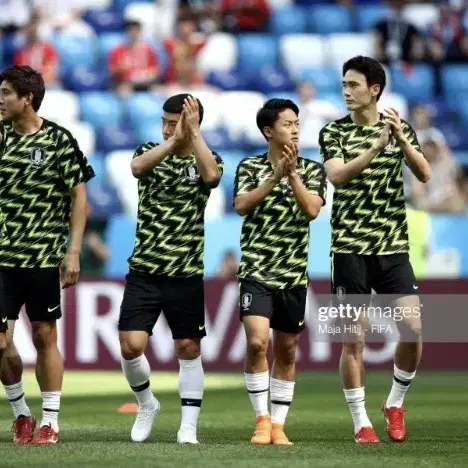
x: 278, y: 193
x: 166, y: 266
x: 363, y: 154
x: 43, y: 202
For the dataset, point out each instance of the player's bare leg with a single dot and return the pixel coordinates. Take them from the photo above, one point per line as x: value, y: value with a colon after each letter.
x: 282, y: 383
x: 407, y: 357
x: 137, y: 370
x: 352, y: 375
x: 11, y: 377
x: 49, y: 375
x: 257, y: 331
x: 191, y: 387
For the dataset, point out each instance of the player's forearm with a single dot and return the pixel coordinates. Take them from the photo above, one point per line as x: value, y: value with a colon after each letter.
x: 205, y: 161
x: 246, y: 202
x: 308, y: 203
x: 78, y: 217
x: 352, y: 169
x: 145, y: 163
x: 416, y: 161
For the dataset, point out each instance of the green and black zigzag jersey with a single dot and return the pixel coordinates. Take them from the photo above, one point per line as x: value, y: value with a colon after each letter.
x: 170, y: 228
x: 369, y: 213
x: 36, y: 174
x: 275, y: 235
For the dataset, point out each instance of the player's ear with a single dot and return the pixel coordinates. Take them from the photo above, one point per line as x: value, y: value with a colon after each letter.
x: 375, y: 90
x: 267, y: 131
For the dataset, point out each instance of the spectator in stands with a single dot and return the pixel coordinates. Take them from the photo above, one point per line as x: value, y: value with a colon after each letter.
x: 203, y: 12
x: 229, y: 265
x: 14, y: 14
x: 315, y: 108
x: 134, y: 65
x: 39, y: 54
x: 448, y: 36
x: 397, y: 40
x: 182, y: 51
x: 422, y: 123
x: 244, y: 15
x: 63, y: 16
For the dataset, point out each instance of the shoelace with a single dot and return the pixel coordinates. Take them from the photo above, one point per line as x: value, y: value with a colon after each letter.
x: 144, y: 415
x: 46, y: 432
x: 396, y: 417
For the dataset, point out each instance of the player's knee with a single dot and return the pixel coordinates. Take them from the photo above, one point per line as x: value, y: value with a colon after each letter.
x: 3, y: 344
x: 44, y: 335
x: 187, y: 348
x: 257, y: 346
x: 131, y: 349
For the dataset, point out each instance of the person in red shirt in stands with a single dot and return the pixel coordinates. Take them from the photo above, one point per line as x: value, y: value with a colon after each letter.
x: 134, y: 65
x: 39, y: 55
x: 244, y: 15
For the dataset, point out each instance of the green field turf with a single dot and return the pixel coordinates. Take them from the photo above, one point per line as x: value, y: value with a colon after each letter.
x: 93, y: 434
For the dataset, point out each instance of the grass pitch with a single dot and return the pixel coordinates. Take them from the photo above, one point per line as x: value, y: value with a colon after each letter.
x: 93, y: 434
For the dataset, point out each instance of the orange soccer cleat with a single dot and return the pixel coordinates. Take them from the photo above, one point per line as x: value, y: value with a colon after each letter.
x: 262, y: 434
x: 395, y: 420
x: 278, y: 437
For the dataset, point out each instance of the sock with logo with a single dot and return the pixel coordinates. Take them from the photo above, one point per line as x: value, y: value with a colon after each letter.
x: 191, y: 387
x: 400, y: 385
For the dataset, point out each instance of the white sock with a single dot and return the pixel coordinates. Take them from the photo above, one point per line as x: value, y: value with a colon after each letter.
x: 15, y: 396
x: 191, y: 386
x: 138, y: 371
x: 357, y: 405
x: 50, y: 409
x: 257, y: 386
x: 400, y: 385
x: 281, y: 395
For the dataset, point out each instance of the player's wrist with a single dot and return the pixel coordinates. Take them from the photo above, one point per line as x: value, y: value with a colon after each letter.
x: 73, y: 252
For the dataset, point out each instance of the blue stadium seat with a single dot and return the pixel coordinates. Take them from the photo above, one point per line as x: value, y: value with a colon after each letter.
x: 109, y: 41
x: 104, y: 20
x: 97, y: 162
x: 227, y: 80
x: 417, y: 84
x: 231, y: 161
x: 119, y: 5
x: 100, y: 109
x: 287, y: 20
x: 256, y: 50
x: 325, y: 80
x: 104, y: 200
x: 218, y: 139
x: 329, y: 19
x: 150, y: 131
x: 314, y: 155
x: 84, y: 78
x: 9, y: 45
x: 142, y: 107
x: 73, y: 52
x: 115, y: 138
x: 370, y: 15
x: 270, y: 79
x: 454, y: 79
x: 283, y: 95
x: 120, y: 235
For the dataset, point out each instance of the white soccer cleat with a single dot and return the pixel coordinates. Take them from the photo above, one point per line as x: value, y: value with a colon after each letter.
x: 143, y: 424
x: 187, y: 435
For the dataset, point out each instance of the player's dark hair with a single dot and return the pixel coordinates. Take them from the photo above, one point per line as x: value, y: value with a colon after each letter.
x: 370, y: 68
x: 174, y: 105
x: 268, y: 114
x: 25, y: 80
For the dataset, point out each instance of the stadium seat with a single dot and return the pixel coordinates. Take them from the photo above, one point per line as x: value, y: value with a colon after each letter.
x: 104, y: 20
x: 121, y: 177
x: 108, y: 42
x: 369, y: 15
x: 227, y: 80
x: 270, y: 79
x: 218, y: 54
x: 295, y: 50
x: 120, y: 238
x: 146, y: 14
x: 101, y: 109
x: 283, y: 95
x: 141, y: 107
x: 84, y: 134
x: 218, y: 139
x: 256, y: 50
x: 54, y: 103
x: 313, y: 155
x: 276, y: 4
x: 325, y: 79
x: 454, y: 79
x: 211, y: 107
x: 328, y: 19
x: 397, y: 101
x: 344, y: 46
x: 84, y: 78
x: 97, y: 162
x: 120, y: 5
x: 116, y: 138
x: 73, y: 52
x: 310, y: 130
x: 416, y: 84
x: 103, y: 199
x: 287, y: 20
x: 421, y: 16
x: 150, y: 131
x: 96, y: 4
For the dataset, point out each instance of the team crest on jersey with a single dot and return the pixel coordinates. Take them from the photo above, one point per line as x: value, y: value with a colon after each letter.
x: 37, y: 157
x: 192, y: 173
x: 391, y: 147
x: 246, y: 300
x: 341, y: 293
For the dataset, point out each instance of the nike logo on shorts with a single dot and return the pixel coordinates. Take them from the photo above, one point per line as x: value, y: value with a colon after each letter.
x: 201, y: 327
x: 4, y: 319
x: 301, y: 323
x: 52, y: 309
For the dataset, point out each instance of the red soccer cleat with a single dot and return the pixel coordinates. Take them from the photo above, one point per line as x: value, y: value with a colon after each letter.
x: 23, y: 429
x: 395, y: 422
x: 366, y: 435
x: 45, y: 435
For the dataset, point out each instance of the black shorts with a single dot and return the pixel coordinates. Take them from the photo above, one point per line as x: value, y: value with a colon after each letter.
x: 182, y: 300
x: 357, y: 275
x: 285, y: 308
x: 36, y: 288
